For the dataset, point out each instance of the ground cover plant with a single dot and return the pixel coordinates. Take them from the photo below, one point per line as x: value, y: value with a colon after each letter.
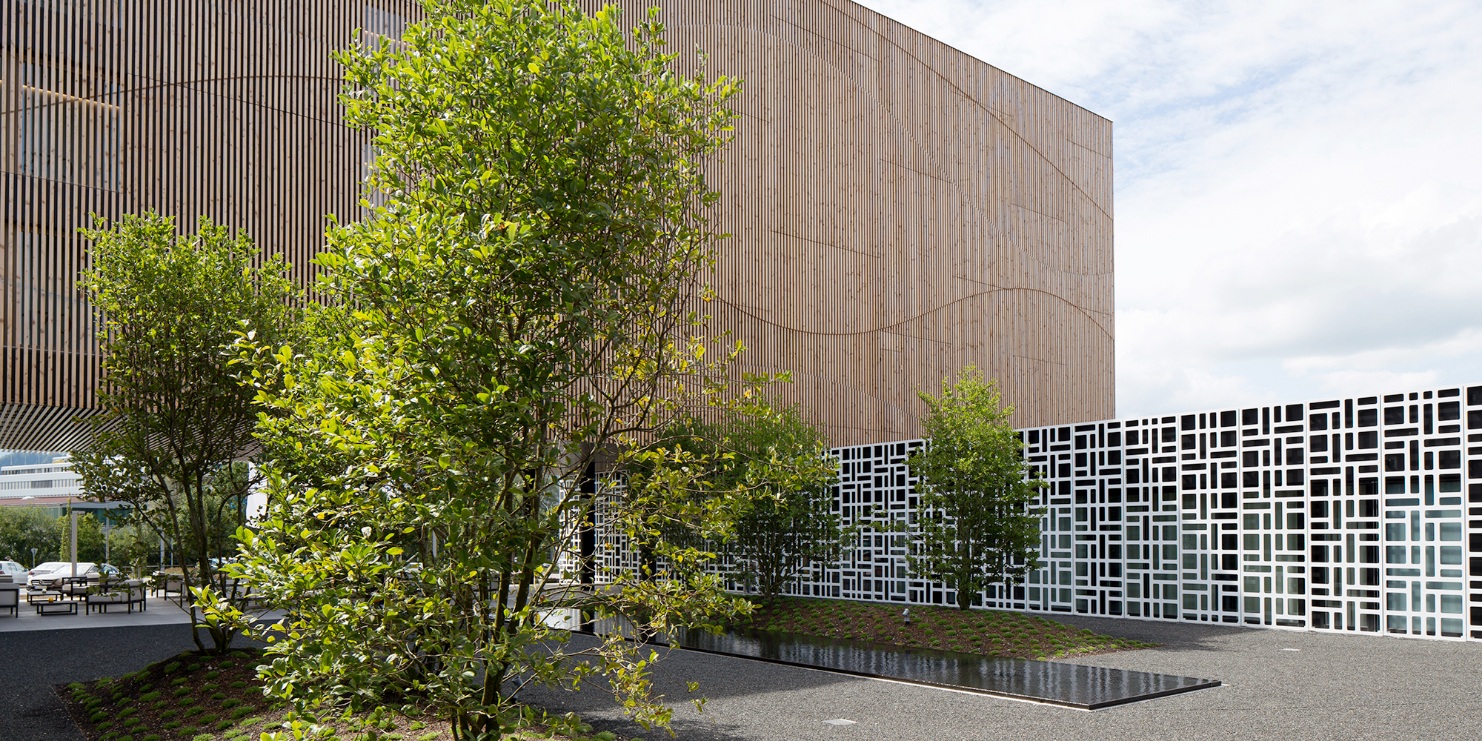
x: 200, y: 697
x: 994, y: 633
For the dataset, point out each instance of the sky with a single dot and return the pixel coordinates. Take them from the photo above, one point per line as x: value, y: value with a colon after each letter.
x: 1298, y: 185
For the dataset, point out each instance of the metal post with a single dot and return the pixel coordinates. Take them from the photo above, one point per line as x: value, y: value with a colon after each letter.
x: 73, y: 512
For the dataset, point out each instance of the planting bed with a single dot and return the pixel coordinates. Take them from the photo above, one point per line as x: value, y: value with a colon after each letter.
x: 194, y: 697
x: 994, y: 633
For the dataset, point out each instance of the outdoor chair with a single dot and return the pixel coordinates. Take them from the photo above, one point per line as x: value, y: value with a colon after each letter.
x: 138, y: 591
x: 76, y: 586
x: 10, y: 599
x: 174, y: 584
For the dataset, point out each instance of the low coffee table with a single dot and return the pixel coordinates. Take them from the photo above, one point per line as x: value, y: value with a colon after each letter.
x: 47, y: 597
x: 56, y: 608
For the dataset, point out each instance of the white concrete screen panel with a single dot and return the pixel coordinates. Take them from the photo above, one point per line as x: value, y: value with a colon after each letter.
x: 1359, y: 514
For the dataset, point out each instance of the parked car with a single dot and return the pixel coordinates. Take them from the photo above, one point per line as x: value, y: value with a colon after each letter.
x: 52, y: 572
x: 15, y: 571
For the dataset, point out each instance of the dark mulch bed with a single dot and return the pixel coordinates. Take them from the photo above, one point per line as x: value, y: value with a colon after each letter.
x: 175, y: 700
x: 997, y: 633
x: 200, y: 697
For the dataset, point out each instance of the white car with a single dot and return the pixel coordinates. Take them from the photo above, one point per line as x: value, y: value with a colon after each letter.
x: 15, y: 571
x: 52, y: 572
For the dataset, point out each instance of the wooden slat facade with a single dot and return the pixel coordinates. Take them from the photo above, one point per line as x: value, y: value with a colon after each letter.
x: 898, y: 208
x: 191, y: 107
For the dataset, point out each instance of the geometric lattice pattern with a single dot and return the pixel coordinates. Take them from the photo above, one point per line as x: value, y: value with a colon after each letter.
x: 1354, y: 514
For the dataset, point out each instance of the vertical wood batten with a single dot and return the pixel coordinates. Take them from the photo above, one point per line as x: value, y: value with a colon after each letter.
x: 906, y: 210
x: 217, y: 109
x: 898, y: 208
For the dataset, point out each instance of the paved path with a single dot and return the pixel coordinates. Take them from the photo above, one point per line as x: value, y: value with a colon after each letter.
x: 160, y: 611
x: 36, y: 660
x: 1279, y: 684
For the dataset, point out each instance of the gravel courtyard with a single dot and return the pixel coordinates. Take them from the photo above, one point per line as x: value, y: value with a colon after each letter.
x: 1278, y: 684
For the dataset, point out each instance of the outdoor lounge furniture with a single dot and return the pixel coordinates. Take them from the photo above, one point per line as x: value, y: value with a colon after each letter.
x: 34, y: 596
x: 173, y: 584
x: 56, y: 608
x: 10, y: 599
x: 128, y: 594
x: 76, y: 586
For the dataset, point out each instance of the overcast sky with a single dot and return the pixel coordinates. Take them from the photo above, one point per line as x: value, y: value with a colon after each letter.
x: 1298, y: 184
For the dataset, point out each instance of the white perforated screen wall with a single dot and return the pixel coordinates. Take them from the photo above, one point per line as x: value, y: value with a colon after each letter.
x: 1358, y: 514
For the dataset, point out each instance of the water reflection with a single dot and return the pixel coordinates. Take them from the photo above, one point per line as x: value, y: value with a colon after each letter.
x: 1073, y: 685
x: 1087, y: 687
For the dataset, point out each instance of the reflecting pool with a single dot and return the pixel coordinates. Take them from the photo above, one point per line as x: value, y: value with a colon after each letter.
x: 1072, y: 685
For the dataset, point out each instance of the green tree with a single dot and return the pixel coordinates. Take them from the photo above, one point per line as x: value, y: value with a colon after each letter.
x: 977, y: 524
x: 521, y: 301
x: 90, y: 545
x: 176, y: 418
x: 23, y: 529
x: 133, y: 546
x: 779, y: 461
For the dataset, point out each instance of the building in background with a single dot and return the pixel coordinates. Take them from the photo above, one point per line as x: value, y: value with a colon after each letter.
x: 899, y: 209
x: 52, y: 486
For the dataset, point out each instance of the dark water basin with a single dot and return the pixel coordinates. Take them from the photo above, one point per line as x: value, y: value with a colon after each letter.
x: 1057, y: 683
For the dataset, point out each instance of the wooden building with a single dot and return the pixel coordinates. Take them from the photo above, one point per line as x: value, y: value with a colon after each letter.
x: 899, y: 209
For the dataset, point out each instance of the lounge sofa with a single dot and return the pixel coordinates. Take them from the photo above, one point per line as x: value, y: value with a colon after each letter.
x: 10, y: 598
x: 128, y: 594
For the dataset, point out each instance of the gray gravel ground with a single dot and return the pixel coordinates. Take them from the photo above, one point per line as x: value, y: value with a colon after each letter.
x: 1278, y: 684
x: 37, y: 660
x: 1330, y: 686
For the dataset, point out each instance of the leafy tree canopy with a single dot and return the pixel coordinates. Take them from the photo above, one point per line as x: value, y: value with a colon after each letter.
x: 519, y: 301
x: 23, y: 529
x: 978, y: 525
x: 778, y: 463
x: 176, y: 417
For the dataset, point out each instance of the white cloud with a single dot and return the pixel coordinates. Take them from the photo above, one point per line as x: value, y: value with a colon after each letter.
x: 1298, y: 211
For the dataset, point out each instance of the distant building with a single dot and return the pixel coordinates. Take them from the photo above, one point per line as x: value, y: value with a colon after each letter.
x: 52, y: 485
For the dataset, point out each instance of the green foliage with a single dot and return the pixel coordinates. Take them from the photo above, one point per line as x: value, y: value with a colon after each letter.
x: 520, y: 300
x: 24, y: 528
x: 132, y: 545
x: 978, y: 525
x: 176, y: 417
x: 776, y: 465
x: 89, y: 538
